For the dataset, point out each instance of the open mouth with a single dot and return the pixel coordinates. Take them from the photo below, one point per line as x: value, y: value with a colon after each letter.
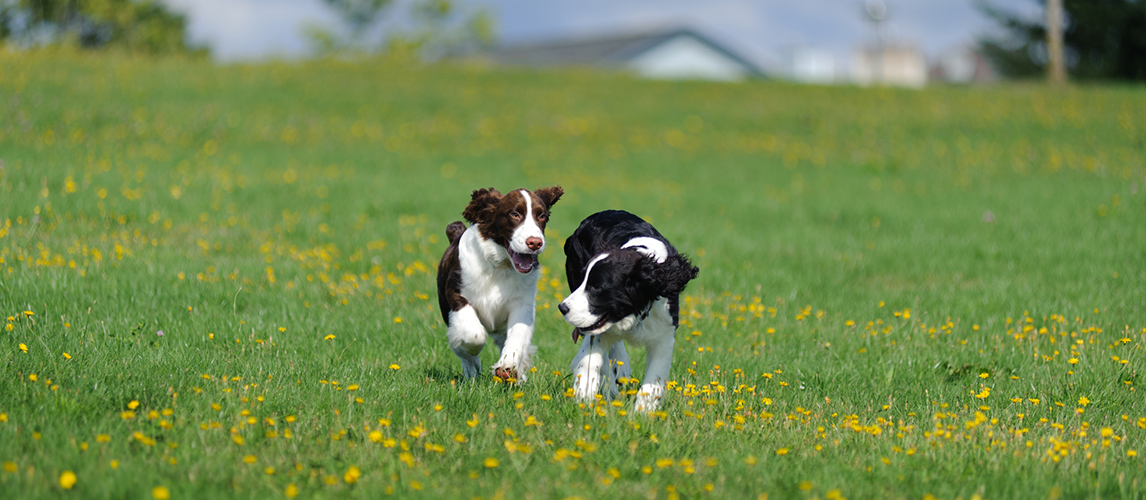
x: 522, y: 262
x: 580, y: 332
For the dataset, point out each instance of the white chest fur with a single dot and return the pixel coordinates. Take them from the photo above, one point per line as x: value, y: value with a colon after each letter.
x: 489, y: 282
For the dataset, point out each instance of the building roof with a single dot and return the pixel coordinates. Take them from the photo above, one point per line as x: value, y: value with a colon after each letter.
x: 614, y: 50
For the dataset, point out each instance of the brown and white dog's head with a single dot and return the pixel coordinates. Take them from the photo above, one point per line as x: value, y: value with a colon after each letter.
x: 514, y: 221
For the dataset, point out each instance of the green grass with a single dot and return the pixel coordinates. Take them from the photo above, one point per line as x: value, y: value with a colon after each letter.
x: 890, y: 280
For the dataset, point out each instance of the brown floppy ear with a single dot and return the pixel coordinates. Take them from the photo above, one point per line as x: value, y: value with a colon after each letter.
x: 549, y: 195
x: 482, y: 205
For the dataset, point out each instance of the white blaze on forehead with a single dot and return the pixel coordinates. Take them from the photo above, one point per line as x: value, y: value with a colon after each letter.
x: 528, y: 204
x: 578, y: 301
x: 527, y: 229
x: 649, y: 246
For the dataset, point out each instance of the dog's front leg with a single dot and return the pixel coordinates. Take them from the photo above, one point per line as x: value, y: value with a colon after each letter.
x: 656, y: 375
x: 587, y: 367
x: 517, y: 353
x: 618, y: 368
x: 467, y: 337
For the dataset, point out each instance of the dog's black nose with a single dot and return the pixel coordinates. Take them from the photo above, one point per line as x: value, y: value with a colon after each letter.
x: 563, y: 308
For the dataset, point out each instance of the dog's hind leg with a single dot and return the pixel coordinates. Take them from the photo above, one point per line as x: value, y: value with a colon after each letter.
x: 467, y: 338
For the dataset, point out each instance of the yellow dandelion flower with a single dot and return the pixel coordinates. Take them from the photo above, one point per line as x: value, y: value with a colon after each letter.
x: 67, y: 356
x: 23, y: 348
x: 32, y: 377
x: 782, y: 451
x: 329, y: 336
x: 1131, y: 453
x: 352, y: 475
x: 160, y: 493
x: 67, y: 479
x: 127, y: 415
x: 238, y: 439
x: 1083, y: 401
x: 250, y: 459
x: 291, y: 491
x: 103, y: 438
x: 491, y: 463
x: 133, y: 405
x: 270, y: 471
x: 10, y: 467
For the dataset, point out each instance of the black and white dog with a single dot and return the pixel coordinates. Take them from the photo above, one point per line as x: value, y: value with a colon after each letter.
x: 626, y: 281
x: 487, y: 279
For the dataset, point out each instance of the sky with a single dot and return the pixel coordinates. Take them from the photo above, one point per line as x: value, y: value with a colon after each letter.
x: 759, y: 30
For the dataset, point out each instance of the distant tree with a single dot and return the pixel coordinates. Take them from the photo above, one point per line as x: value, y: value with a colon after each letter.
x: 142, y: 26
x: 1104, y: 39
x: 359, y: 14
x: 430, y: 29
x: 439, y: 30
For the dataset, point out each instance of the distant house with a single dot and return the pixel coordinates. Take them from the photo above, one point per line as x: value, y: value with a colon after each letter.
x: 962, y: 65
x: 673, y: 54
x: 891, y: 64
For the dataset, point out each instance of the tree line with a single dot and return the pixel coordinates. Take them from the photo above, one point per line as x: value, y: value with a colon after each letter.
x: 1102, y: 39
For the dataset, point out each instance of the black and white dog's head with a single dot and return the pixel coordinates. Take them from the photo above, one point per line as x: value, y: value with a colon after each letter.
x: 620, y: 286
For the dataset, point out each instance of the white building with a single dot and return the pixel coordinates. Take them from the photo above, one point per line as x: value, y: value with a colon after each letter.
x: 666, y: 54
x: 893, y: 64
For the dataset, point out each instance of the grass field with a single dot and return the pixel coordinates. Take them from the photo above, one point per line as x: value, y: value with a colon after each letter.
x: 218, y: 282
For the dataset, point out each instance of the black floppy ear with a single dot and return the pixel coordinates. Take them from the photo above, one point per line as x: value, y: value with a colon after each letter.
x: 549, y: 195
x: 671, y: 276
x: 482, y: 205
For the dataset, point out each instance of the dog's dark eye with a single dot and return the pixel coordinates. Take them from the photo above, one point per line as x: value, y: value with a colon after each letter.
x: 515, y: 215
x: 543, y: 217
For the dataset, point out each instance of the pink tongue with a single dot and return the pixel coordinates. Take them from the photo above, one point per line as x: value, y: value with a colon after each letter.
x: 522, y: 262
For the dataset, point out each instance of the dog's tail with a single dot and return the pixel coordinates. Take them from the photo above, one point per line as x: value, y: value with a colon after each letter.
x: 454, y: 231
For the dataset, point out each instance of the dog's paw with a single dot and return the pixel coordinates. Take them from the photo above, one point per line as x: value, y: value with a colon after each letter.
x: 649, y: 398
x: 505, y: 373
x: 471, y: 367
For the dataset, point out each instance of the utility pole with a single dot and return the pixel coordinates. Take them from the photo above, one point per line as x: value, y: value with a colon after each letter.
x: 877, y: 13
x: 1056, y: 70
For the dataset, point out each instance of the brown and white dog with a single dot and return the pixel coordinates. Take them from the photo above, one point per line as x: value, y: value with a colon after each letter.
x: 487, y: 280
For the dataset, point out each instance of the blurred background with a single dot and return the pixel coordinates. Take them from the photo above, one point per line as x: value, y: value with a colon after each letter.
x: 894, y: 42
